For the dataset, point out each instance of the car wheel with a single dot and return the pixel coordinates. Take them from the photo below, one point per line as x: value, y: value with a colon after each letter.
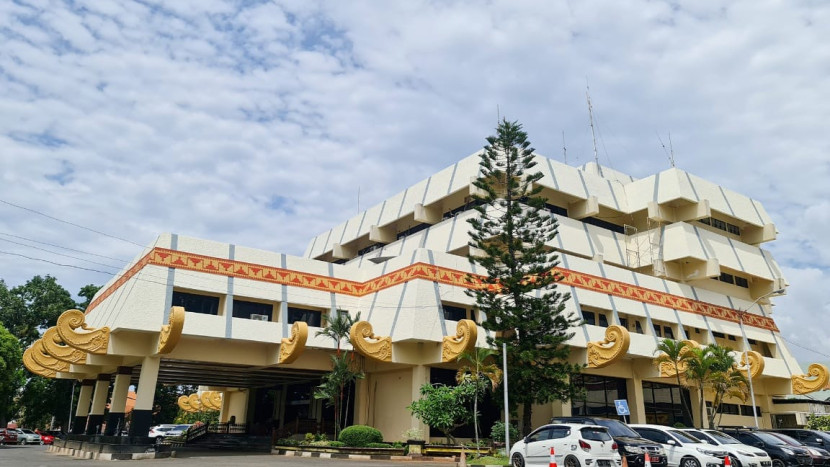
x: 572, y: 461
x: 734, y: 461
x: 689, y: 462
x: 777, y: 463
x: 518, y: 460
x: 23, y: 441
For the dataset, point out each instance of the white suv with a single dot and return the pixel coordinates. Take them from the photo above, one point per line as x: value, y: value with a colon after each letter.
x: 740, y: 454
x: 26, y: 436
x: 575, y: 445
x: 682, y: 449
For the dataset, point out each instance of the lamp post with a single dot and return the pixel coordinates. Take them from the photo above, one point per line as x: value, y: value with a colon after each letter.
x: 741, y: 314
x: 506, y: 410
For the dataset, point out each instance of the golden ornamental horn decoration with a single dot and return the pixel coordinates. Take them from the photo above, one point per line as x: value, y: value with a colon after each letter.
x: 184, y: 404
x: 195, y: 402
x: 368, y: 344
x: 756, y: 363
x: 54, y: 346
x: 818, y: 375
x: 171, y: 332
x: 464, y: 340
x: 667, y: 369
x: 206, y: 398
x: 34, y: 367
x: 292, y: 347
x: 45, y: 360
x: 612, y: 348
x: 93, y: 341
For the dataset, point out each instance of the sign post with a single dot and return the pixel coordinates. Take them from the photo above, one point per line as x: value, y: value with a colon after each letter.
x: 622, y: 408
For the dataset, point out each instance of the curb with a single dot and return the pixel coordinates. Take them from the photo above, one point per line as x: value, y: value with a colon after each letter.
x: 107, y: 456
x: 385, y: 457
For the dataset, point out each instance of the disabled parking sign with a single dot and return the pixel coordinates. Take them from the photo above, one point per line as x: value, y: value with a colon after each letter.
x: 622, y: 407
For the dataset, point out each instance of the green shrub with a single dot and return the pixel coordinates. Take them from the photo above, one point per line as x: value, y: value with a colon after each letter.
x: 309, y: 437
x: 336, y: 444
x: 287, y: 442
x: 497, y: 432
x: 360, y: 436
x: 378, y: 445
x: 397, y: 444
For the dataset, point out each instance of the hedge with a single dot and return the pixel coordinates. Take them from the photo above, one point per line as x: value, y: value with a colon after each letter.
x: 360, y: 436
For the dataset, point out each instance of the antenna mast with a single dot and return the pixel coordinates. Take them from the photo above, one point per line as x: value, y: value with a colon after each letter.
x: 591, y: 118
x: 564, y: 149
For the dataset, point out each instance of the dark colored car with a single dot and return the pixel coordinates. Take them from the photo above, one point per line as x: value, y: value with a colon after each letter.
x: 8, y: 436
x: 782, y: 454
x: 815, y: 438
x: 630, y: 444
x: 820, y: 456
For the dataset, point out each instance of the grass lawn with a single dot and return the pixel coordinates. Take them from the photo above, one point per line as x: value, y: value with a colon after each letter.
x: 489, y: 460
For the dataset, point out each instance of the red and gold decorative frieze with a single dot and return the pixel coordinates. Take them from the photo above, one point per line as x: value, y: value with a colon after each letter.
x: 258, y: 272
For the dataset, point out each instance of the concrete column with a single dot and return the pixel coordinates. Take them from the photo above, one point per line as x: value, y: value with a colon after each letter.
x: 118, y: 402
x: 420, y: 376
x: 81, y: 412
x: 143, y: 411
x: 694, y: 396
x: 636, y: 403
x: 361, y: 402
x: 99, y: 404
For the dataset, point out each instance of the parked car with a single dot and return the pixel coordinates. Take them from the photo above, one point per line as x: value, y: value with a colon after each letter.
x: 821, y: 457
x: 629, y: 442
x: 682, y: 449
x: 27, y: 436
x: 8, y: 436
x: 574, y: 445
x: 46, y: 438
x: 815, y: 438
x: 740, y: 454
x: 782, y: 454
x: 161, y: 432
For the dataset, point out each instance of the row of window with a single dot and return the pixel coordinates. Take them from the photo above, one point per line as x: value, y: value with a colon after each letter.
x: 732, y: 279
x: 735, y: 409
x: 721, y: 225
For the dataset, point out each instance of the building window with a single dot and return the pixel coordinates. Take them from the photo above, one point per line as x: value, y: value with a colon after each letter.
x: 590, y: 317
x: 638, y: 328
x: 600, y: 394
x: 624, y: 322
x: 252, y: 310
x: 603, y: 320
x: 454, y: 313
x: 721, y: 225
x: 412, y: 230
x: 741, y: 282
x: 746, y: 410
x: 657, y: 330
x: 663, y: 403
x: 196, y: 303
x: 604, y: 224
x: 668, y: 332
x: 559, y: 211
x: 311, y: 317
x: 719, y: 335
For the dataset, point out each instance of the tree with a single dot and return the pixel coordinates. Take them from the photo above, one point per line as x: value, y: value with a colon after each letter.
x: 35, y: 305
x: 11, y: 373
x: 697, y: 373
x: 483, y: 374
x: 42, y: 399
x: 677, y: 354
x: 87, y: 292
x: 713, y: 367
x: 818, y: 422
x: 509, y: 239
x: 444, y: 407
x: 344, y: 371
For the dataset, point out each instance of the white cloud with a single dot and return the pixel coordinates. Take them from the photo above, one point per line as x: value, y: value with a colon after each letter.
x: 194, y: 117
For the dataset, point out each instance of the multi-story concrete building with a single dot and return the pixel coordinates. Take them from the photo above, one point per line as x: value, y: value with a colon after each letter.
x: 667, y: 256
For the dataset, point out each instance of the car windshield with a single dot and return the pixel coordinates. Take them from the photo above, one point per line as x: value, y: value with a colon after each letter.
x: 595, y: 434
x: 701, y: 436
x: 28, y: 432
x: 618, y: 428
x: 789, y: 439
x: 684, y: 437
x: 768, y: 438
x: 722, y: 438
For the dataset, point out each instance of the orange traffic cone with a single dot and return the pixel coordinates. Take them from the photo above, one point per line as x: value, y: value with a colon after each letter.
x: 727, y: 462
x: 624, y: 461
x: 552, y: 459
x: 647, y: 462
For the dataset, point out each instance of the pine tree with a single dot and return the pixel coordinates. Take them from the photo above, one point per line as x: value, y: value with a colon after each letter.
x: 510, y: 239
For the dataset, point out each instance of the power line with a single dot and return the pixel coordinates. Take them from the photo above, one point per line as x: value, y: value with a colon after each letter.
x: 56, y: 264
x: 70, y: 223
x: 63, y: 247
x: 61, y: 254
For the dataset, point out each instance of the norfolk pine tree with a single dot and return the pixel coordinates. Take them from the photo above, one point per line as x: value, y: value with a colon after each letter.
x: 518, y: 296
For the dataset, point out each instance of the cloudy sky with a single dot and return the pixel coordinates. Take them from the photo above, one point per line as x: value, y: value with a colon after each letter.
x: 258, y: 123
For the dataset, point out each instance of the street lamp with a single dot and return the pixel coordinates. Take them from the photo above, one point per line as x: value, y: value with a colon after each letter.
x: 746, y: 348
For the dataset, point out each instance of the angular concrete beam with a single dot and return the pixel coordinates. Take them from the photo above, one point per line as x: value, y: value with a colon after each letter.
x: 340, y: 251
x: 428, y: 214
x: 757, y: 235
x: 584, y: 208
x: 659, y: 212
x: 379, y: 234
x: 693, y: 212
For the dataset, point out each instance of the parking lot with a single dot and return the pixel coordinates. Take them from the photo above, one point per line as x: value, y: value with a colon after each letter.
x: 36, y: 456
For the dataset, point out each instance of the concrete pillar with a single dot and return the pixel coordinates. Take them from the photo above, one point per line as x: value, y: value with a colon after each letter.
x: 420, y: 376
x: 361, y: 402
x: 636, y: 403
x: 694, y: 395
x: 99, y: 404
x: 81, y: 412
x: 143, y: 411
x: 118, y: 402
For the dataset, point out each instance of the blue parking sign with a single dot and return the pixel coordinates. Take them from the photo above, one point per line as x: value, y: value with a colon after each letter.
x: 622, y: 407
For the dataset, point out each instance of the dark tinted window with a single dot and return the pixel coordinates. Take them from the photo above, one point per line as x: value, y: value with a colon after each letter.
x: 539, y: 435
x: 559, y: 432
x: 454, y: 313
x: 701, y: 436
x: 311, y: 317
x: 617, y: 428
x: 244, y: 309
x: 770, y: 439
x: 654, y: 435
x: 196, y: 303
x: 595, y: 434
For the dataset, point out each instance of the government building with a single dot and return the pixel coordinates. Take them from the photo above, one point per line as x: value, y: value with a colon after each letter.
x: 670, y: 255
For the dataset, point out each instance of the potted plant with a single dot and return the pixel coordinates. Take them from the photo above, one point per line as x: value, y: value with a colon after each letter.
x: 414, y: 441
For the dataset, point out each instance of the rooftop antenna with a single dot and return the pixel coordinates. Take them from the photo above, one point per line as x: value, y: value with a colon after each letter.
x: 591, y: 117
x: 669, y: 151
x: 498, y: 115
x: 564, y: 148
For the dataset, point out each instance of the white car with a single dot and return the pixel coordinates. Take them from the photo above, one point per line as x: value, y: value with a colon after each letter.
x: 161, y: 432
x: 26, y: 436
x: 740, y: 454
x: 682, y: 449
x: 575, y: 445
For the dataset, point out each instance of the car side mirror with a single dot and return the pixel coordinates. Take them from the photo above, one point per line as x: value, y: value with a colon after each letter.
x: 820, y: 441
x: 671, y: 442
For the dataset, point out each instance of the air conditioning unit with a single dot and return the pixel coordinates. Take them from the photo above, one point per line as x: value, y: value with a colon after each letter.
x: 259, y: 317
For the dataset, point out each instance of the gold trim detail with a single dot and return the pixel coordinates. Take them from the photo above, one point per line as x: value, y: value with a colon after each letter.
x: 211, y: 400
x: 94, y: 341
x: 45, y: 360
x: 292, y: 347
x: 54, y: 346
x: 612, y: 348
x: 34, y: 367
x: 464, y: 340
x: 802, y: 385
x: 171, y: 332
x: 367, y: 343
x: 667, y: 368
x: 756, y: 363
x: 184, y: 404
x: 195, y: 402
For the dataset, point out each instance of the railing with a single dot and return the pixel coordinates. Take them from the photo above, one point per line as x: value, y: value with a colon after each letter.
x: 228, y: 428
x: 303, y: 426
x: 195, y: 432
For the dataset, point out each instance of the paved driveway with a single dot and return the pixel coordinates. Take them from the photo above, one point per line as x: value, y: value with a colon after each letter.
x: 36, y: 456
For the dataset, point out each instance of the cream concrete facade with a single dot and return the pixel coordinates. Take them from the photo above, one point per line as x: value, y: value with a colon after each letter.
x: 643, y: 254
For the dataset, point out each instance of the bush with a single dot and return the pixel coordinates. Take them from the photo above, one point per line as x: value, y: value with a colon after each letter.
x: 336, y: 444
x: 497, y: 432
x: 287, y: 442
x: 378, y: 445
x: 360, y: 436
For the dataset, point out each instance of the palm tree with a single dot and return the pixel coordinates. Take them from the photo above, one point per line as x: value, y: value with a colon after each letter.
x: 343, y: 372
x: 725, y: 379
x: 477, y: 370
x: 698, y: 370
x: 676, y: 353
x: 338, y: 326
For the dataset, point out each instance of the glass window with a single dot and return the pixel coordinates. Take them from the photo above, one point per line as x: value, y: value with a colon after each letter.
x: 657, y: 331
x: 600, y: 394
x: 683, y: 437
x: 603, y: 320
x: 454, y: 313
x: 559, y: 432
x: 654, y: 435
x: 196, y: 303
x: 728, y: 278
x: 733, y: 229
x: 638, y: 328
x: 595, y: 434
x: 539, y: 435
x: 590, y: 317
x: 311, y: 317
x: 245, y: 309
x: 723, y: 438
x: 701, y: 436
x: 624, y: 322
x: 668, y: 333
x: 741, y: 282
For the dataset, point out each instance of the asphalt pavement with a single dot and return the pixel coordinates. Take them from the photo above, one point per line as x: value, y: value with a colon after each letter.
x: 36, y: 456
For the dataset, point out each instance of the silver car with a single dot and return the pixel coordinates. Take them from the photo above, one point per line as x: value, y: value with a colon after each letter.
x: 26, y: 436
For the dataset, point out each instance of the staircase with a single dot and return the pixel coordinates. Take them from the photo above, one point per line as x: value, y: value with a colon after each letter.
x: 224, y: 436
